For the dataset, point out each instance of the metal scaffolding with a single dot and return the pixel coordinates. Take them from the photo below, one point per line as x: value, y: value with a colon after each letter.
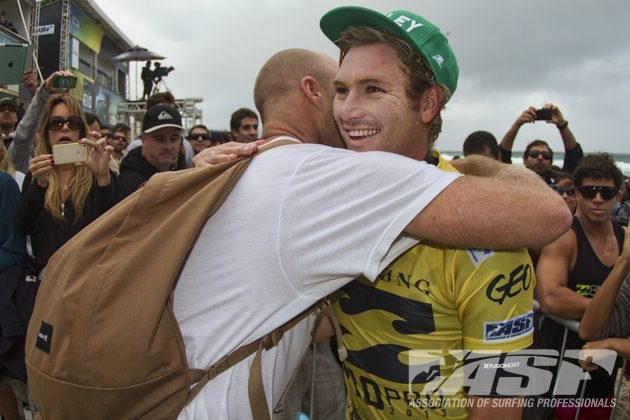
x: 34, y: 23
x: 133, y: 112
x: 64, y: 34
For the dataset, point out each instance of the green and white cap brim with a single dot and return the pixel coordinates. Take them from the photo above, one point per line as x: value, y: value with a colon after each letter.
x: 419, y: 33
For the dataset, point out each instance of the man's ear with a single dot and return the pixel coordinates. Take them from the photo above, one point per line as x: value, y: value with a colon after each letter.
x: 431, y: 103
x: 312, y: 90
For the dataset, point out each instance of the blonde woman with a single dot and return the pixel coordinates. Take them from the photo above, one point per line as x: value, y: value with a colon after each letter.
x: 60, y: 200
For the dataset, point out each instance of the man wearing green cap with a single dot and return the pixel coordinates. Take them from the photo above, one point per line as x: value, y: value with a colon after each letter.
x: 396, y: 74
x: 8, y: 118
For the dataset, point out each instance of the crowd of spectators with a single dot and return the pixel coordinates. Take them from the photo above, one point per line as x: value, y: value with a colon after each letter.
x: 59, y: 199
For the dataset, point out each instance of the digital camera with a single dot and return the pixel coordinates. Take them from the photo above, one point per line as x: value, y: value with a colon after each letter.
x: 64, y: 82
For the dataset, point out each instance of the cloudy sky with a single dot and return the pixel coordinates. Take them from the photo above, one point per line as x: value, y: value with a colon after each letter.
x: 511, y: 55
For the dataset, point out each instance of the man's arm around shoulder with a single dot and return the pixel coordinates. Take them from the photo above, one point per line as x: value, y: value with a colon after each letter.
x: 509, y: 208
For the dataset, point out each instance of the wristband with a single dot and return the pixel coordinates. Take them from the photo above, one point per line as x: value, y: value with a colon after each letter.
x: 563, y: 126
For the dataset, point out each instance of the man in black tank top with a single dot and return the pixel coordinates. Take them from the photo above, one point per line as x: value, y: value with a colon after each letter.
x: 573, y: 267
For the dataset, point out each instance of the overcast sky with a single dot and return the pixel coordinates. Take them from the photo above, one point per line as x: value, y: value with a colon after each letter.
x: 511, y: 55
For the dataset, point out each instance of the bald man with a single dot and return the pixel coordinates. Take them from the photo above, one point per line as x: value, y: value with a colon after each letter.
x: 305, y: 219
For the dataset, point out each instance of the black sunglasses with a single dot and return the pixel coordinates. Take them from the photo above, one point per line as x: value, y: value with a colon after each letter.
x: 590, y: 191
x: 568, y: 191
x: 535, y: 153
x: 199, y: 137
x: 74, y: 123
x: 119, y: 138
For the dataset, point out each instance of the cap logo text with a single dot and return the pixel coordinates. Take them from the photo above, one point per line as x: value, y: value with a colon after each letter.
x: 402, y: 20
x: 164, y: 116
x: 438, y: 59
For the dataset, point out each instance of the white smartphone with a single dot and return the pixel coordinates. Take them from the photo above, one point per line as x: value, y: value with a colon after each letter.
x: 70, y: 153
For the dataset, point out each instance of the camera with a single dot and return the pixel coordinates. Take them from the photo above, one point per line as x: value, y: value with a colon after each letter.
x: 64, y: 82
x: 162, y: 71
x: 543, y: 114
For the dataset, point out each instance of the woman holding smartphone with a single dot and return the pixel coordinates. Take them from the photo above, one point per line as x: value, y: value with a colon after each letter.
x: 58, y: 200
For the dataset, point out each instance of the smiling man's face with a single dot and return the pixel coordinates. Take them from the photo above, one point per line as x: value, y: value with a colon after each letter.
x: 371, y: 106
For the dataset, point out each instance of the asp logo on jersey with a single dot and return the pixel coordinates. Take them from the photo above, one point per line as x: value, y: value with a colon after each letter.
x: 508, y: 329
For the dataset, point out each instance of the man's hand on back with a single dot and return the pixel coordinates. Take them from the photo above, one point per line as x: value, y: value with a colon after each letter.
x: 225, y: 152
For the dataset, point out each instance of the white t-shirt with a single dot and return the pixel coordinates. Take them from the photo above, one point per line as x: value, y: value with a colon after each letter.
x: 19, y: 178
x: 302, y: 221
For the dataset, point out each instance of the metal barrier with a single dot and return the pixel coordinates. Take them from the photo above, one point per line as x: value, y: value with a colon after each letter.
x: 573, y: 325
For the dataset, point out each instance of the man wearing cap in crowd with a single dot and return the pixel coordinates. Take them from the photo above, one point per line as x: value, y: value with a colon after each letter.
x: 161, y: 140
x: 164, y: 98
x: 8, y: 119
x: 396, y: 74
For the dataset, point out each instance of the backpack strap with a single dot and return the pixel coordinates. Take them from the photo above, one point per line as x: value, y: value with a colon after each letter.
x: 255, y: 386
x: 256, y: 391
x: 327, y: 310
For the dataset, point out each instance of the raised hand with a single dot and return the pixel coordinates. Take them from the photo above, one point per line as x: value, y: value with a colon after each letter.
x: 29, y: 81
x: 41, y: 167
x: 98, y: 158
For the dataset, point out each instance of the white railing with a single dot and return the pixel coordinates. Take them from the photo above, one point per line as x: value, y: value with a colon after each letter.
x: 573, y: 325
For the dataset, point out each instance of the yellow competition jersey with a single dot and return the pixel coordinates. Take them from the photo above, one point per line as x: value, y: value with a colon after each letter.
x: 437, y: 299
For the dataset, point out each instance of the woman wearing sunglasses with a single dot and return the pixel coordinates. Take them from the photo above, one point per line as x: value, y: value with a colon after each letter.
x: 58, y: 200
x: 565, y: 186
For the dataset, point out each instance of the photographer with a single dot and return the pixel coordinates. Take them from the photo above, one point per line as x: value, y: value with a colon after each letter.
x: 147, y: 80
x: 538, y: 156
x: 59, y: 199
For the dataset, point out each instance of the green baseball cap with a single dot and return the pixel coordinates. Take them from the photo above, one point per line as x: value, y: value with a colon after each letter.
x: 10, y: 102
x: 419, y: 33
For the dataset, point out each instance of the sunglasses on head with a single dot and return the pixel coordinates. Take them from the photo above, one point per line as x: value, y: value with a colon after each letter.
x: 535, y: 153
x: 199, y: 137
x: 561, y: 191
x: 590, y: 191
x: 56, y: 123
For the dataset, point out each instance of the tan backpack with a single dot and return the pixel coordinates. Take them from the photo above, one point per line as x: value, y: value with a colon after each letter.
x: 103, y: 342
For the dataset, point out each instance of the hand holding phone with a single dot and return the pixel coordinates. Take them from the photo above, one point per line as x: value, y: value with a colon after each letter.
x: 70, y: 153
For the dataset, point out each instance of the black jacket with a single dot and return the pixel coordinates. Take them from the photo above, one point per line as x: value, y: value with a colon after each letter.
x: 17, y: 299
x: 47, y: 235
x: 135, y: 170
